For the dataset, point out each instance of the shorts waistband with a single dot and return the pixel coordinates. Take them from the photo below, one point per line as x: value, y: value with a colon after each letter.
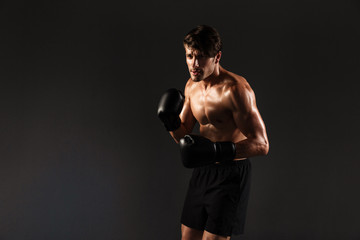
x: 229, y: 163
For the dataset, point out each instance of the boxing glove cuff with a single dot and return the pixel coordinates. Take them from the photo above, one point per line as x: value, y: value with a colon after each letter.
x: 173, y: 124
x: 225, y: 151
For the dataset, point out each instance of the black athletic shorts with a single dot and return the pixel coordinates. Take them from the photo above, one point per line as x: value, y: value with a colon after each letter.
x: 217, y: 198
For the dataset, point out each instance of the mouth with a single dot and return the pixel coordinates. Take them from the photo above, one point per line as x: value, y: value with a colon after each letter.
x: 196, y: 72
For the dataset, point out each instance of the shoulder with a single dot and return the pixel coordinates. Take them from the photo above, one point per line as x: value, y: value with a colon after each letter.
x: 236, y: 85
x: 188, y: 87
x: 239, y: 91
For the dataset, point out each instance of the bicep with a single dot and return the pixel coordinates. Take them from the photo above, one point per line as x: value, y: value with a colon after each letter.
x: 187, y: 117
x: 250, y: 123
x: 246, y: 115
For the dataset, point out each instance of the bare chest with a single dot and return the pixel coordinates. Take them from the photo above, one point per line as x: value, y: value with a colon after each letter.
x: 211, y: 108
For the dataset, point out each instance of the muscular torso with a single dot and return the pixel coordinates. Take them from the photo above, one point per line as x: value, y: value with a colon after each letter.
x: 213, y: 108
x: 226, y: 111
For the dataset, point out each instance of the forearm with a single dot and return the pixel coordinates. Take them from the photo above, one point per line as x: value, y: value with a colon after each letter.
x: 251, y: 147
x: 179, y: 133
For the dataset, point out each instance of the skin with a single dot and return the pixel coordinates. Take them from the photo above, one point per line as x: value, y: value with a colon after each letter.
x: 224, y: 105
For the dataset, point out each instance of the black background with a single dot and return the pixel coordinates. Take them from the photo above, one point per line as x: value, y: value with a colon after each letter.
x: 83, y: 155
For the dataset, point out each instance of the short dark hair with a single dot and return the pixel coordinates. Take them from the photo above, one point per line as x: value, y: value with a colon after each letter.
x: 204, y: 39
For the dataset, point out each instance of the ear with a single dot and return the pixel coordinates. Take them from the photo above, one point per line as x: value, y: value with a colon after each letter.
x: 217, y: 57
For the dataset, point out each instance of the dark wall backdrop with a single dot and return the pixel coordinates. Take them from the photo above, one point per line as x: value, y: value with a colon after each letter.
x: 83, y: 155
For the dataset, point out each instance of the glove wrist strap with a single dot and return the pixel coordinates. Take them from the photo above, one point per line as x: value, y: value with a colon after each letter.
x: 225, y: 151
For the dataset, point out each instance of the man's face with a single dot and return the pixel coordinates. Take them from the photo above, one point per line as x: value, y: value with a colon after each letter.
x: 200, y: 67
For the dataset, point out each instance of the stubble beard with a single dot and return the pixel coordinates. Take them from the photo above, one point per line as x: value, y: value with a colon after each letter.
x: 197, y: 78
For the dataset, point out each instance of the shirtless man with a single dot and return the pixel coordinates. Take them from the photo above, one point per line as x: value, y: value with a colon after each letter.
x: 231, y: 131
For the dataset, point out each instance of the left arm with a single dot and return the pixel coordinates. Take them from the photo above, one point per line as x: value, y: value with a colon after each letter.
x: 247, y: 118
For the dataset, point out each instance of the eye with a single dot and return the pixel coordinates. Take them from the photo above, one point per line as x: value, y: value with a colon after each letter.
x: 200, y: 56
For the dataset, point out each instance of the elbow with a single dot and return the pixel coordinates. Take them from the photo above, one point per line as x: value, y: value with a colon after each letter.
x: 176, y: 138
x: 262, y: 146
x: 179, y: 133
x: 265, y: 148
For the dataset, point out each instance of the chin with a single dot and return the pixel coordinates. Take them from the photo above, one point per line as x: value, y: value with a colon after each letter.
x: 197, y: 79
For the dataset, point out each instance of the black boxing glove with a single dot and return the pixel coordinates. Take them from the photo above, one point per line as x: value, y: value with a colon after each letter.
x: 170, y: 106
x: 197, y: 151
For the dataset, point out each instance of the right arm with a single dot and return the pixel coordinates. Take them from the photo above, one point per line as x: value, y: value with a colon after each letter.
x: 188, y: 120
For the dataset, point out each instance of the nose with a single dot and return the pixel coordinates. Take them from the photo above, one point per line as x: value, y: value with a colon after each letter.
x: 196, y: 62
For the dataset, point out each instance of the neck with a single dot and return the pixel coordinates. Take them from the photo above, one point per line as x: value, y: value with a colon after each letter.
x: 213, y: 78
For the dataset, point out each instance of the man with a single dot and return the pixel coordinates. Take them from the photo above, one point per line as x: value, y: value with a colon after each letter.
x: 231, y: 131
